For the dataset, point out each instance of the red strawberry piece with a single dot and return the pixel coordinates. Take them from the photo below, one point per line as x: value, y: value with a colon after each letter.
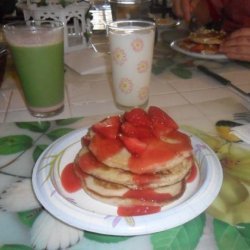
x: 143, y: 133
x: 160, y: 130
x: 108, y: 128
x: 137, y: 117
x: 133, y: 145
x: 128, y: 129
x: 161, y: 122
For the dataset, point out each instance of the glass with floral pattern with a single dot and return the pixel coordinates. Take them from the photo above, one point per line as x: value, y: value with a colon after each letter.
x: 131, y: 48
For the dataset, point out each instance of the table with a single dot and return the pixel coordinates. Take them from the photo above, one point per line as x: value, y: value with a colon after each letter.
x: 192, y: 99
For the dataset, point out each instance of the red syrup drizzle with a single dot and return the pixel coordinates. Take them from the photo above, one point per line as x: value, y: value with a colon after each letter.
x: 159, y: 152
x: 104, y: 148
x: 193, y: 173
x: 87, y: 162
x: 143, y: 195
x: 137, y: 210
x: 147, y: 195
x: 70, y: 182
x: 145, y: 179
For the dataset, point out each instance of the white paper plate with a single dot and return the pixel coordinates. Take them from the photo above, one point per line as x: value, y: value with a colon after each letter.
x: 175, y: 45
x: 81, y: 211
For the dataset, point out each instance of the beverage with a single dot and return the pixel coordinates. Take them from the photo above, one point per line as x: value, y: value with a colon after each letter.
x: 38, y: 56
x: 41, y: 72
x: 131, y: 46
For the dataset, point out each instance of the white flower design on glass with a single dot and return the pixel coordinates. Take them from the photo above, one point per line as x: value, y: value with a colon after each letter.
x: 137, y: 44
x: 119, y: 56
x: 126, y: 85
x: 142, y: 66
x: 143, y: 93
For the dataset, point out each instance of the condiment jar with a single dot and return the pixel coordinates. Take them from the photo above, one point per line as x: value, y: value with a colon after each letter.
x: 130, y: 9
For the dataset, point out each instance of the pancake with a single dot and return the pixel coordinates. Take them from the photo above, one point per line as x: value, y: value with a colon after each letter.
x: 207, y: 36
x: 159, y: 155
x: 191, y: 46
x: 138, y: 161
x: 119, y: 195
x: 88, y: 164
x: 204, y: 41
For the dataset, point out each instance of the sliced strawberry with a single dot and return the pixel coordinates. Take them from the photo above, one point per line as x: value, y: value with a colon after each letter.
x: 162, y: 123
x: 143, y: 133
x: 158, y: 115
x: 108, y: 128
x: 137, y: 117
x: 160, y: 130
x: 133, y: 145
x: 130, y: 130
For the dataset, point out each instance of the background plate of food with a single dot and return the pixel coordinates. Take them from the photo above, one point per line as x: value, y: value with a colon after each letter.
x: 203, y: 43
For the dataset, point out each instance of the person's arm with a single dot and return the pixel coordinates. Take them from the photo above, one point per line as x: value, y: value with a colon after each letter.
x: 237, y: 45
x: 182, y: 9
x: 187, y: 8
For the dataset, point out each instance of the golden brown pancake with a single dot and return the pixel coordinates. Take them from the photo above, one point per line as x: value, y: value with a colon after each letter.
x: 159, y: 156
x: 191, y: 46
x: 207, y: 36
x: 88, y: 164
x: 120, y: 195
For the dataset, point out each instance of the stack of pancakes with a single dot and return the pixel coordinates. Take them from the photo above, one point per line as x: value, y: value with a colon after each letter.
x: 111, y: 173
x: 207, y: 36
x: 203, y: 41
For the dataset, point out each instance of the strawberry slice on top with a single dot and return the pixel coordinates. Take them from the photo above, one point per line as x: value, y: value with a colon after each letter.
x: 141, y: 132
x: 162, y: 124
x: 137, y: 117
x: 133, y: 145
x: 108, y: 128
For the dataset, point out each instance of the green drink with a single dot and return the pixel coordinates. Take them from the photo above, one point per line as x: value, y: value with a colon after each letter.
x: 37, y: 50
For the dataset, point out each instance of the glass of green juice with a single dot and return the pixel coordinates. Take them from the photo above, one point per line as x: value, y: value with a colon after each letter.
x: 38, y: 53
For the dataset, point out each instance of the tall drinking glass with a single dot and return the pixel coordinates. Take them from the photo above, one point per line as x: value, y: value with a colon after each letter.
x: 131, y: 47
x: 37, y: 50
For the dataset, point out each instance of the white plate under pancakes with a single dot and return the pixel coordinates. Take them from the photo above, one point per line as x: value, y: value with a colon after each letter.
x: 81, y: 211
x: 175, y: 45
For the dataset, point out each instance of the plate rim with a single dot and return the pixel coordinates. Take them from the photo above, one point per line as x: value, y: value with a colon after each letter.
x: 174, y: 45
x: 124, y: 229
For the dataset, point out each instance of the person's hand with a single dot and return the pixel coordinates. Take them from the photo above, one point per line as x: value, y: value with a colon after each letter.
x: 184, y: 8
x: 237, y: 45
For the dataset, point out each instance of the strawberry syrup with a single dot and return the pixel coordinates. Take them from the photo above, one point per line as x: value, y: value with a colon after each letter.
x: 137, y: 210
x: 193, y: 173
x: 147, y: 195
x: 70, y: 181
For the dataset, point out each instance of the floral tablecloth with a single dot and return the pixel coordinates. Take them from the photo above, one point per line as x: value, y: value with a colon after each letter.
x: 25, y: 224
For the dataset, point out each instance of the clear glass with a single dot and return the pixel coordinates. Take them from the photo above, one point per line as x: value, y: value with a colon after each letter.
x: 131, y: 48
x: 37, y: 50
